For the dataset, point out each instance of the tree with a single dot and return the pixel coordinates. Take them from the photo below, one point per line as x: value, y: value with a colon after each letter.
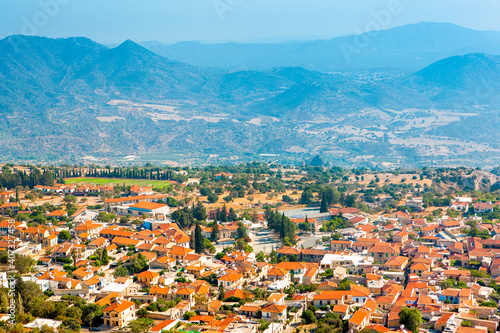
x: 215, y: 231
x: 324, y: 204
x: 188, y: 315
x: 121, y: 272
x: 105, y: 257
x: 308, y: 317
x: 74, y: 256
x: 141, y: 325
x: 411, y: 318
x: 212, y: 197
x: 207, y: 245
x: 241, y: 232
x: 222, y: 292
x: 232, y: 216
x: 64, y: 235
x: 91, y: 313
x: 198, y: 239
x: 142, y: 313
x: 23, y: 263
x: 350, y: 200
x: 344, y: 284
x: 200, y: 212
x: 69, y: 198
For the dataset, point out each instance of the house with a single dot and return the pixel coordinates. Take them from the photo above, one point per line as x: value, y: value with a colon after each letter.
x: 398, y: 263
x: 415, y: 204
x: 149, y: 278
x: 50, y: 241
x: 400, y: 237
x: 230, y: 281
x: 166, y: 325
x: 100, y: 242
x: 483, y: 207
x: 58, y: 214
x: 359, y: 319
x: 327, y: 285
x: 455, y: 296
x: 495, y: 268
x: 136, y: 190
x: 330, y: 297
x: 364, y: 244
x: 419, y: 268
x: 11, y: 208
x: 340, y: 245
x: 250, y: 311
x: 274, y: 313
x: 34, y: 234
x: 291, y: 253
x: 179, y: 252
x: 447, y: 319
x: 382, y: 252
x: 238, y: 293
x: 277, y: 273
x: 90, y: 228
x: 119, y: 314
x: 163, y: 262
x: 84, y: 273
x: 341, y: 310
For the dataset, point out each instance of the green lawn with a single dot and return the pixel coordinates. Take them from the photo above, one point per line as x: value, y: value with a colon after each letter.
x: 108, y: 181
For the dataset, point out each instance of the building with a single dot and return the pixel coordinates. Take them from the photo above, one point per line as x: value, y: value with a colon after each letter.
x: 382, y: 252
x: 150, y: 209
x: 119, y: 314
x: 415, y: 204
x: 274, y: 313
x: 149, y: 278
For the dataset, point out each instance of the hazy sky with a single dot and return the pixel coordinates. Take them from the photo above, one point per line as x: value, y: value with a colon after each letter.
x: 170, y: 21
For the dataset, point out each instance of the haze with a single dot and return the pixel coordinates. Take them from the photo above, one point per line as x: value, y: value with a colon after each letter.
x: 168, y: 21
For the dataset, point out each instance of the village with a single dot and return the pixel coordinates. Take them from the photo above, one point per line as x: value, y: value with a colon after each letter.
x: 142, y: 259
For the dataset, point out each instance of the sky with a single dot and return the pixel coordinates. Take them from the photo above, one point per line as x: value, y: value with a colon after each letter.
x: 171, y: 21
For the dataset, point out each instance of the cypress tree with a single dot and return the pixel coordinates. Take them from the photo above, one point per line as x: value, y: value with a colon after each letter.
x: 324, y: 204
x: 198, y: 239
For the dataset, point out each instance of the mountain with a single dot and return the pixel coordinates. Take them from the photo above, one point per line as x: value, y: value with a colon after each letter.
x: 66, y: 100
x: 405, y: 48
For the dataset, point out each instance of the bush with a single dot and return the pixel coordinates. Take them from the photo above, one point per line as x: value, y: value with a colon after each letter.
x: 188, y: 315
x: 212, y: 197
x: 308, y: 317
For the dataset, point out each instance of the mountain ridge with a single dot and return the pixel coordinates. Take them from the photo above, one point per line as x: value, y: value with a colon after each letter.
x: 420, y: 43
x: 75, y: 98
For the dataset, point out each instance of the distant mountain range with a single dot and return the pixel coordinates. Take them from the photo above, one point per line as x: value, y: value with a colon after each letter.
x: 406, y: 48
x: 71, y: 99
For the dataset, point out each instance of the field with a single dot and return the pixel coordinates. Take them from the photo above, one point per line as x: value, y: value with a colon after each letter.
x: 118, y: 181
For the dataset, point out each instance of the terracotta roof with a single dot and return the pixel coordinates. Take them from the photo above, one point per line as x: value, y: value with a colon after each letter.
x: 230, y: 277
x: 274, y: 308
x: 359, y: 316
x: 119, y: 306
x: 148, y: 274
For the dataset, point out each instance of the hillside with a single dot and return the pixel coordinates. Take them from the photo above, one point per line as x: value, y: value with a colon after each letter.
x: 81, y: 100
